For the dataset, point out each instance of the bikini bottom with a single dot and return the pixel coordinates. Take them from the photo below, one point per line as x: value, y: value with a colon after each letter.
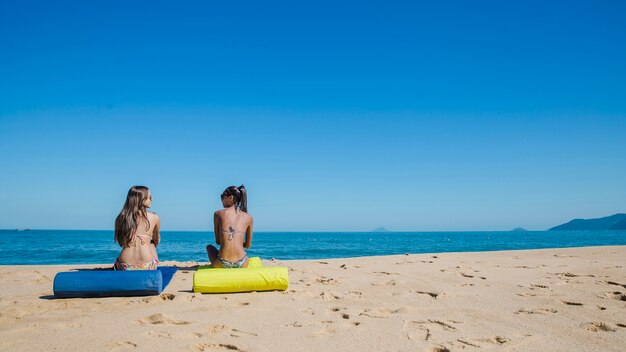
x: 151, y: 265
x: 231, y: 265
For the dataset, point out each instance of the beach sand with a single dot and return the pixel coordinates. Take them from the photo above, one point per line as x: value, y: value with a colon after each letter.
x: 536, y: 300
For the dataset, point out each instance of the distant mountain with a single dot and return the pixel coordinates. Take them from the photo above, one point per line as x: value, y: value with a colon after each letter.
x: 519, y: 229
x: 619, y: 226
x: 380, y: 229
x: 613, y: 222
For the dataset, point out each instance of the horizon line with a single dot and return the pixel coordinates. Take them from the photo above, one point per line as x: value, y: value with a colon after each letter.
x: 288, y: 231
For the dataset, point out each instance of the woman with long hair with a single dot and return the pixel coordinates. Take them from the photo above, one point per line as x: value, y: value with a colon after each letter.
x: 233, y: 230
x: 137, y: 232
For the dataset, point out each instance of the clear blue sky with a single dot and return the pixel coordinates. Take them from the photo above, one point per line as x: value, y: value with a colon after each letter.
x: 336, y: 116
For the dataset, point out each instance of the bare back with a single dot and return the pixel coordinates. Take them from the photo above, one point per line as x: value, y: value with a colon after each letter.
x: 142, y: 248
x: 233, y: 232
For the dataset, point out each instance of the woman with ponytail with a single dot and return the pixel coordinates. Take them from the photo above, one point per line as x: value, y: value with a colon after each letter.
x: 233, y: 230
x: 137, y: 232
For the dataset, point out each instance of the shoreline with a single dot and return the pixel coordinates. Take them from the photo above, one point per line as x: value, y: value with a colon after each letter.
x: 563, y: 299
x: 273, y: 260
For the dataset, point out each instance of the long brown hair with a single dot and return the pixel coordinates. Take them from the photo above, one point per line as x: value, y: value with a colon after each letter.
x: 131, y: 215
x: 241, y: 196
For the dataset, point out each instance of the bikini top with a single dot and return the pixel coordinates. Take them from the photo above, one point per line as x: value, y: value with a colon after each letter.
x: 141, y: 238
x: 231, y: 232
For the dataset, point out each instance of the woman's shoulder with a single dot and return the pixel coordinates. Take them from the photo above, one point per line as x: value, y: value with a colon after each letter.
x: 246, y: 215
x: 152, y: 216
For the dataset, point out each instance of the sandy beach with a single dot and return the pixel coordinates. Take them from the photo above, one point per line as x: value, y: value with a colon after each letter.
x: 536, y: 300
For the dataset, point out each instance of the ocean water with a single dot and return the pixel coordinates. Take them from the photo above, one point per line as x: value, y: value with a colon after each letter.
x: 83, y: 247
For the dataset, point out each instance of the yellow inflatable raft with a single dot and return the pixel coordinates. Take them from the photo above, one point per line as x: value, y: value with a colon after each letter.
x: 255, y: 277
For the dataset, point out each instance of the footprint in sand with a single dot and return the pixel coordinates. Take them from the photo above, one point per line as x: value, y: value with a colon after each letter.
x: 329, y: 296
x: 327, y: 329
x: 443, y: 324
x: 467, y: 343
x: 385, y: 283
x: 308, y: 311
x: 598, y: 326
x: 116, y: 346
x: 615, y: 284
x: 215, y: 328
x: 542, y: 311
x: 471, y: 276
x: 569, y: 303
x: 384, y: 273
x: 434, y: 295
x: 161, y: 334
x: 158, y: 319
x: 616, y: 295
x: 431, y: 324
x: 374, y: 313
x: 295, y: 324
x: 167, y: 296
x: 496, y: 340
x: 569, y: 275
x: 401, y: 310
x: 235, y: 332
x: 205, y: 347
x: 327, y: 326
x: 194, y: 297
x: 384, y: 312
x: 405, y: 262
x: 219, y: 328
x: 151, y: 299
x: 326, y: 280
x: 415, y: 331
x: 356, y: 294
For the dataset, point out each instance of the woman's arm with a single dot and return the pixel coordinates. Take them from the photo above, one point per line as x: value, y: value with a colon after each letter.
x: 156, y: 235
x: 216, y: 228
x: 248, y: 243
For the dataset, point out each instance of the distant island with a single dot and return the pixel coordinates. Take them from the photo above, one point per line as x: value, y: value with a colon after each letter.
x: 519, y: 229
x: 613, y: 222
x: 380, y: 229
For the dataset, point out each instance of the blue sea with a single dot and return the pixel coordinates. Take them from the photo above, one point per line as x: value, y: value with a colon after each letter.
x: 86, y: 247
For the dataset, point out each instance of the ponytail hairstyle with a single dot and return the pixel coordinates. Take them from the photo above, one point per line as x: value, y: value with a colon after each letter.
x: 132, y: 214
x: 241, y: 196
